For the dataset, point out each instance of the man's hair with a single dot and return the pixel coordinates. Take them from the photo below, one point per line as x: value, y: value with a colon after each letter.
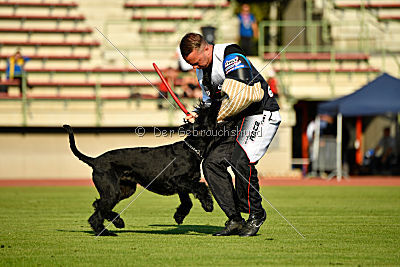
x: 190, y: 42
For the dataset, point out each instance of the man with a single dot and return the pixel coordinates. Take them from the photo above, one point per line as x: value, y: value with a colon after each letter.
x: 388, y: 155
x: 15, y: 69
x: 248, y: 29
x: 216, y: 64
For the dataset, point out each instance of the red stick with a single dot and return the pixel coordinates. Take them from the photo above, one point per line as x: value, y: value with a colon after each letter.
x: 170, y: 90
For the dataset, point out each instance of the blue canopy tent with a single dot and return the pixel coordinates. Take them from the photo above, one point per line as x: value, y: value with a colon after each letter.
x: 380, y: 96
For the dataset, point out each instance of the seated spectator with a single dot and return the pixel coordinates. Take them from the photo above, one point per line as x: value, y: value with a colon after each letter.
x: 273, y: 82
x: 15, y: 69
x: 190, y: 86
x: 385, y: 154
x: 170, y: 75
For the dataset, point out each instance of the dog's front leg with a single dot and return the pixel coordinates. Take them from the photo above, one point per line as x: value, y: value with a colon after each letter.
x: 202, y: 193
x: 184, y: 208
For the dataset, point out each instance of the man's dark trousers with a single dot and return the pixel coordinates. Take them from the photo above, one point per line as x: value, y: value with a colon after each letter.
x: 245, y: 198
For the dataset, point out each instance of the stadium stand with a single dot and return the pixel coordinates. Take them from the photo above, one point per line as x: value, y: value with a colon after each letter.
x: 57, y: 58
x: 69, y: 58
x: 78, y: 77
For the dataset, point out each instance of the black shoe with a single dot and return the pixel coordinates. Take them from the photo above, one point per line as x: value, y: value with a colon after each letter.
x: 232, y: 227
x: 253, y: 224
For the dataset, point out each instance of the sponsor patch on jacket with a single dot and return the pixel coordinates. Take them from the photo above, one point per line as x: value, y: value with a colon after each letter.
x: 233, y: 62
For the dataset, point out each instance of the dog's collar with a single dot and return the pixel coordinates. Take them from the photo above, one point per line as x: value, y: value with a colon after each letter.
x: 197, y: 151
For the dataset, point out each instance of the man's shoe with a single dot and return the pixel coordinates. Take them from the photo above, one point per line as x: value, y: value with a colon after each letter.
x: 253, y: 224
x: 232, y: 227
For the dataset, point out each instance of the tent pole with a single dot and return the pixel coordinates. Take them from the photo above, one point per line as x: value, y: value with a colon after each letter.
x: 339, y: 148
x: 315, y: 154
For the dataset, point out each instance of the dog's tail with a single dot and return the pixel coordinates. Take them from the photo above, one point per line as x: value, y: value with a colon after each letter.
x: 77, y: 153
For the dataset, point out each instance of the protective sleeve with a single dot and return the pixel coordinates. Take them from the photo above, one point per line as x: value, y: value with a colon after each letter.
x: 237, y: 66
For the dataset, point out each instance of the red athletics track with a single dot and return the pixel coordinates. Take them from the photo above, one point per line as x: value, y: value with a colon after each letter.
x: 353, y: 181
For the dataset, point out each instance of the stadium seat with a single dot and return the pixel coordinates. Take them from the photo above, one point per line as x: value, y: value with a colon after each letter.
x: 47, y: 43
x: 317, y: 56
x: 41, y: 30
x: 389, y: 17
x: 41, y: 17
x: 368, y: 5
x: 155, y: 30
x: 166, y: 18
x: 327, y: 70
x: 174, y: 5
x: 52, y: 57
x: 39, y: 4
x: 85, y: 70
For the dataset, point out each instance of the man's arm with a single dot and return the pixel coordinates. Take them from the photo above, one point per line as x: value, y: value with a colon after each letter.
x: 254, y: 27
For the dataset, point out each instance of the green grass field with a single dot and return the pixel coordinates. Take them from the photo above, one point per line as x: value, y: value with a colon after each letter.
x: 342, y: 225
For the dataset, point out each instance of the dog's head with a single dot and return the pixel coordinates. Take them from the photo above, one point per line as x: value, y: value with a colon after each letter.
x: 205, y: 131
x: 207, y: 117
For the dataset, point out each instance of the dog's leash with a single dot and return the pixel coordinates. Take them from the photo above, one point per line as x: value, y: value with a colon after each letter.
x: 197, y: 151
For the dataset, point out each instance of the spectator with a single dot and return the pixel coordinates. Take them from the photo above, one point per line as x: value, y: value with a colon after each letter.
x: 272, y: 82
x: 325, y: 128
x: 248, y: 29
x: 385, y: 154
x: 190, y: 86
x: 15, y: 69
x: 170, y: 75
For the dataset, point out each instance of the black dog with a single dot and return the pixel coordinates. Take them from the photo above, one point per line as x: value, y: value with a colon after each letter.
x: 165, y: 170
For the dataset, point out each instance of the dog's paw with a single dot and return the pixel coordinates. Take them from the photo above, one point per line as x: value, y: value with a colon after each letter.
x: 208, y: 206
x: 119, y: 223
x: 179, y: 218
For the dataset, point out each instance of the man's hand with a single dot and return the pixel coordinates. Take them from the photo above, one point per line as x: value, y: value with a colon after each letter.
x: 191, y: 117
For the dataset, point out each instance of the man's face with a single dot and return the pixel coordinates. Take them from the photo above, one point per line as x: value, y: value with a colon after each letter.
x: 199, y: 58
x: 246, y: 8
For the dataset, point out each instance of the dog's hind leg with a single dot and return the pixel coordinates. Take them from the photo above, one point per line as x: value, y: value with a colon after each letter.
x: 109, y: 192
x: 127, y: 190
x: 202, y: 193
x: 97, y: 219
x: 184, y: 208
